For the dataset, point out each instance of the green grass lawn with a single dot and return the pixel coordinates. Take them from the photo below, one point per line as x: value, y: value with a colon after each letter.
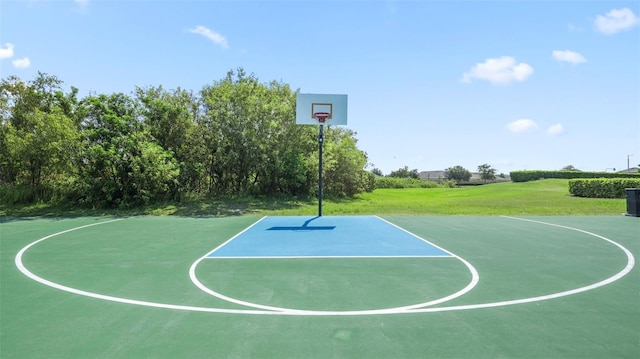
x: 543, y: 197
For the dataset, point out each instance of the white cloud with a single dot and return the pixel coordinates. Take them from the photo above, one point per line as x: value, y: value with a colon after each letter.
x: 500, y: 70
x: 616, y: 20
x: 7, y: 51
x: 211, y: 35
x: 569, y: 56
x: 555, y: 130
x: 522, y: 125
x: 22, y: 63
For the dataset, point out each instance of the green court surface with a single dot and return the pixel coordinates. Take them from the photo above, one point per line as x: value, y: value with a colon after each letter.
x: 142, y: 287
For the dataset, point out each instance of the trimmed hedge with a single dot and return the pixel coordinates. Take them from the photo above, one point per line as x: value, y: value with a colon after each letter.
x: 525, y: 176
x: 602, y: 187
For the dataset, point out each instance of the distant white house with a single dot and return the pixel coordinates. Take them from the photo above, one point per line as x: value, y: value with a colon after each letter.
x: 630, y: 170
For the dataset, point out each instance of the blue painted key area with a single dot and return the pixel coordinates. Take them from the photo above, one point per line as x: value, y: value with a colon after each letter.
x: 327, y: 236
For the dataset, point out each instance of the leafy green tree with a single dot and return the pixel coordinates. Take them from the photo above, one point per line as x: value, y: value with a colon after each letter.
x: 343, y: 167
x: 404, y: 173
x: 45, y: 148
x: 238, y: 136
x: 252, y: 141
x: 122, y: 166
x: 569, y: 168
x: 457, y: 173
x: 39, y: 141
x: 231, y: 123
x: 283, y: 166
x: 377, y: 172
x: 170, y: 117
x: 486, y: 172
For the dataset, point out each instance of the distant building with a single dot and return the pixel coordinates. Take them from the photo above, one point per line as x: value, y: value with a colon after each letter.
x: 630, y: 170
x: 432, y: 175
x: 475, y: 177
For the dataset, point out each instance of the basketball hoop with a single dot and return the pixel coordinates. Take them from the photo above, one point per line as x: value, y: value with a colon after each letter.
x: 321, y: 116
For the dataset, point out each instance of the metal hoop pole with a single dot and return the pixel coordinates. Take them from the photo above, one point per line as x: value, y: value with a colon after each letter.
x: 320, y: 141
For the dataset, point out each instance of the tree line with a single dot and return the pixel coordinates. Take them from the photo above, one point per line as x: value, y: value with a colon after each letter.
x: 235, y: 137
x: 457, y: 173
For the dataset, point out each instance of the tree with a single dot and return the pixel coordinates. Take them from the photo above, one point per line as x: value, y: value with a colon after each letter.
x: 404, y: 173
x: 569, y: 168
x: 237, y: 136
x: 377, y: 172
x: 457, y: 173
x: 122, y: 166
x: 251, y: 138
x: 486, y: 172
x: 343, y: 165
x: 171, y: 119
x: 39, y: 139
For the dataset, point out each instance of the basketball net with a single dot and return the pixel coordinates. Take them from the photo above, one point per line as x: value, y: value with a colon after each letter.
x: 321, y: 116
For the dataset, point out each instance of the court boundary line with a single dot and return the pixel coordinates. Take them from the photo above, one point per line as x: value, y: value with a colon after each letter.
x: 629, y: 266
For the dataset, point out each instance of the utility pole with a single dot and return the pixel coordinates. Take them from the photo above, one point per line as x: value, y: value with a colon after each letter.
x: 628, y: 167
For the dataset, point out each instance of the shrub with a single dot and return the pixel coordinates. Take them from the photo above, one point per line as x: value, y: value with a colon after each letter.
x: 602, y: 187
x: 395, y: 182
x: 525, y: 176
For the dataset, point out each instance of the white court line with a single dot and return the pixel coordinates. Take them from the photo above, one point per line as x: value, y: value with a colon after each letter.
x: 325, y: 257
x: 622, y: 273
x: 475, y: 277
x: 417, y: 236
x: 630, y: 264
x: 28, y: 273
x: 236, y: 236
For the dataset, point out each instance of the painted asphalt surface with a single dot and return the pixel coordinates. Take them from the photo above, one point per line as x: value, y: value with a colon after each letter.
x: 332, y: 236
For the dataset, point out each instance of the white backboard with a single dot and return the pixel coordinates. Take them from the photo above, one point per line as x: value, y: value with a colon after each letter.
x: 307, y: 104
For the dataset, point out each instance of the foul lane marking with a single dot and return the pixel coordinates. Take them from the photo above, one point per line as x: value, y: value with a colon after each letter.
x: 629, y: 266
x: 475, y: 278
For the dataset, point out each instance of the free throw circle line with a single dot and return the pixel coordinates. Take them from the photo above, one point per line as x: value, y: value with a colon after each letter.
x: 630, y: 264
x: 475, y: 278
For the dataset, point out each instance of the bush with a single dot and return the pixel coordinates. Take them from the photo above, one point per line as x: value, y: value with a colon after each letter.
x: 395, y: 182
x: 525, y: 176
x: 602, y: 187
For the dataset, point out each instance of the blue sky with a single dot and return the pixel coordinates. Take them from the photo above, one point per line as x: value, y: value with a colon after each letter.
x: 431, y: 84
